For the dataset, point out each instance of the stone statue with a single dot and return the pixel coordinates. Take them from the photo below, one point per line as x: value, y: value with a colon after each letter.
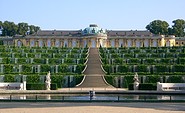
x: 48, y: 81
x: 136, y: 81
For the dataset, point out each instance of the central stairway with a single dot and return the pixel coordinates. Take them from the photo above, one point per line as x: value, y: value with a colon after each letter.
x: 94, y: 73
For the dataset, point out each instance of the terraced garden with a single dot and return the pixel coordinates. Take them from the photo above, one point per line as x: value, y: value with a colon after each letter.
x: 153, y: 64
x: 65, y: 64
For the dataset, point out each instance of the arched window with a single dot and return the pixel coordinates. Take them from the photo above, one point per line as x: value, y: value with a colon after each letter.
x: 40, y: 43
x: 19, y: 43
x: 32, y: 43
x: 49, y: 43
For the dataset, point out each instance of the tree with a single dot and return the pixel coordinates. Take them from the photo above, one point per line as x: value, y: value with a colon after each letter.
x: 178, y: 27
x: 22, y: 28
x: 33, y: 29
x: 9, y: 29
x: 158, y: 27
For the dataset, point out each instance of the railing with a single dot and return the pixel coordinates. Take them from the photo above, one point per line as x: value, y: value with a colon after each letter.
x: 92, y: 98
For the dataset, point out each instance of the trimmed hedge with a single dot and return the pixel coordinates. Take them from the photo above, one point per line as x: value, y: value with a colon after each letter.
x: 33, y: 79
x: 39, y: 86
x: 9, y: 78
x: 146, y: 86
x: 58, y: 80
x: 78, y: 79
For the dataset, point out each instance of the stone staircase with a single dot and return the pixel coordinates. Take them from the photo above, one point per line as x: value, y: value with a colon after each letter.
x: 94, y: 73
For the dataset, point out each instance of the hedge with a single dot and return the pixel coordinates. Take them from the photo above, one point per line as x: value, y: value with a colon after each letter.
x: 57, y: 79
x: 146, y: 86
x: 9, y: 78
x: 175, y: 79
x: 40, y: 86
x: 78, y: 79
x: 33, y: 79
x: 109, y: 79
x: 35, y: 86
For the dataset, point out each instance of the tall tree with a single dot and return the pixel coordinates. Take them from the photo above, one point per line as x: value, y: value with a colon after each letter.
x: 158, y: 27
x: 22, y: 28
x: 9, y: 28
x: 33, y: 29
x: 179, y: 27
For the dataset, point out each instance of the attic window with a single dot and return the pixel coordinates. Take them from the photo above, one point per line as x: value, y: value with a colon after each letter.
x: 93, y: 31
x: 85, y: 31
x: 101, y: 31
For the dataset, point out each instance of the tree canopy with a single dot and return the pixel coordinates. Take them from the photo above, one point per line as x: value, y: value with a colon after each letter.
x: 178, y: 27
x: 11, y: 29
x: 162, y: 27
x: 158, y: 27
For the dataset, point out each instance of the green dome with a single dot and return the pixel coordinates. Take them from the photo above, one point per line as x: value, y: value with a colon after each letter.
x: 93, y: 29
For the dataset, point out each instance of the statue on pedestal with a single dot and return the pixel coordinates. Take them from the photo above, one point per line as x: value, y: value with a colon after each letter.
x: 48, y: 81
x: 136, y: 81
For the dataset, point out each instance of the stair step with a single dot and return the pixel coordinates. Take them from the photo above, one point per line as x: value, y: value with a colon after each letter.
x: 94, y: 72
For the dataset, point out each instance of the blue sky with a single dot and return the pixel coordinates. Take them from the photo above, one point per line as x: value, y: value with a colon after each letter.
x: 78, y: 14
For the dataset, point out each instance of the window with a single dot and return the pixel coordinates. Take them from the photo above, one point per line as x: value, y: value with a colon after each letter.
x: 93, y: 31
x: 85, y: 31
x: 177, y: 42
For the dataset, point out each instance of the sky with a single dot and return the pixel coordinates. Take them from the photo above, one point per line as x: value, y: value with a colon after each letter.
x: 78, y: 14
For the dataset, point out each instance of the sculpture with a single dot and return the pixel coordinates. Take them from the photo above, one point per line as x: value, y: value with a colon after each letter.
x: 48, y: 81
x: 136, y: 81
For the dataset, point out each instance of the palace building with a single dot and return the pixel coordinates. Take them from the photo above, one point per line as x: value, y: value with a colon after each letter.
x: 92, y: 36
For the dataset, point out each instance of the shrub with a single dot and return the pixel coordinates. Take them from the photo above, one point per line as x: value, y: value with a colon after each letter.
x: 109, y: 79
x: 45, y: 68
x: 175, y: 79
x: 80, y: 68
x: 127, y: 80
x: 152, y: 79
x: 35, y: 86
x: 179, y: 68
x: 54, y: 86
x: 57, y: 79
x: 147, y: 86
x: 123, y: 68
x: 78, y: 79
x: 63, y: 68
x: 9, y: 78
x: 33, y: 79
x: 26, y: 68
x: 142, y: 68
x: 8, y: 68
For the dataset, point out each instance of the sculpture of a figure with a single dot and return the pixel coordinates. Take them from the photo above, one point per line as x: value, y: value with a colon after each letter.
x: 136, y: 81
x: 48, y: 81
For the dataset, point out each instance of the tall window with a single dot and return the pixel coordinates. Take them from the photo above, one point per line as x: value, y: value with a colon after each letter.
x: 40, y: 43
x: 49, y: 43
x: 32, y: 43
x: 19, y: 43
x: 57, y: 43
